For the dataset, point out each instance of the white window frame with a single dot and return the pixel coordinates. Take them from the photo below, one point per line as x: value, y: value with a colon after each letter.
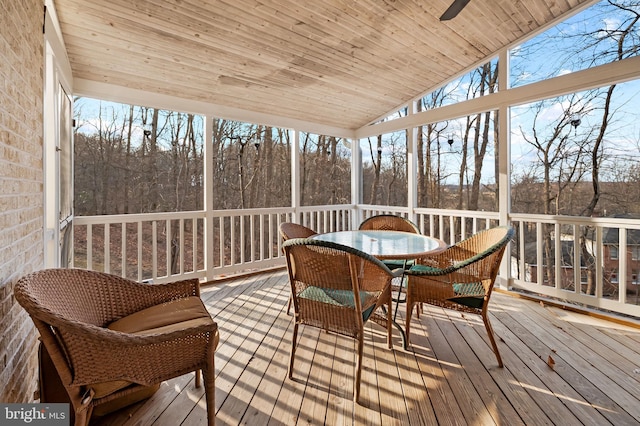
x: 57, y: 85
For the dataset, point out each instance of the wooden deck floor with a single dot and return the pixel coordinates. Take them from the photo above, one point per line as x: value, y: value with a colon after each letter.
x: 449, y: 376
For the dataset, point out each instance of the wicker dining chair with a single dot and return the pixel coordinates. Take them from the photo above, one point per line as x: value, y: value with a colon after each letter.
x: 108, y: 337
x: 337, y: 288
x: 389, y: 222
x: 460, y: 278
x: 289, y: 230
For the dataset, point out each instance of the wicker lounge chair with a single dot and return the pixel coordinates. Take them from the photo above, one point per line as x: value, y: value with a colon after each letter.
x: 337, y: 288
x: 109, y: 336
x: 289, y: 230
x: 461, y: 277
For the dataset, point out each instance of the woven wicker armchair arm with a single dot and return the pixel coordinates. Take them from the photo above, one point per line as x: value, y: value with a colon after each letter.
x: 449, y: 265
x: 105, y: 337
x: 456, y: 257
x: 126, y: 356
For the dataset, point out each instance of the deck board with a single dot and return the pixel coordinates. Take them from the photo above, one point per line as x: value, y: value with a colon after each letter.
x: 449, y: 376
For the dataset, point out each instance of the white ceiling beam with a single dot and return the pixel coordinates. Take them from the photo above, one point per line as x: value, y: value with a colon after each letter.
x: 121, y: 94
x: 601, y: 76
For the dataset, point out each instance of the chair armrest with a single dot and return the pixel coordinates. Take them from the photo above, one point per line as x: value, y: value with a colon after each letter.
x: 97, y: 354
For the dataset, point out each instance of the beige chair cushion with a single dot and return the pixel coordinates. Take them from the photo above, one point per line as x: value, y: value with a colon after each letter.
x: 174, y: 315
x: 163, y: 318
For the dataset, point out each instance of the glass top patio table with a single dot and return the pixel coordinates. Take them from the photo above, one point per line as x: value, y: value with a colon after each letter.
x: 386, y: 244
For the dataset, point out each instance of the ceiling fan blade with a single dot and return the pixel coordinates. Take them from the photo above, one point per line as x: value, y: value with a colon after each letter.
x: 453, y: 10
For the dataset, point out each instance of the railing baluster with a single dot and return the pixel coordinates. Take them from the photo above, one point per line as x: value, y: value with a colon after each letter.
x: 154, y: 249
x: 223, y: 232
x: 558, y: 255
x: 123, y: 249
x: 622, y: 266
x: 194, y: 245
x: 107, y: 248
x: 577, y: 260
x: 539, y: 258
x: 181, y: 245
x: 139, y: 250
x: 89, y: 246
x: 167, y: 246
x: 599, y: 263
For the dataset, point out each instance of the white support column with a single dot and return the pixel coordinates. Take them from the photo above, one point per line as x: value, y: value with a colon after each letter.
x: 504, y: 142
x: 504, y: 155
x: 412, y: 165
x: 295, y: 174
x: 51, y: 157
x: 209, y: 247
x: 356, y: 181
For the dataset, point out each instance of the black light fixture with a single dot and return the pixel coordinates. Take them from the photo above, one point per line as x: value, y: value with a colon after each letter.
x: 242, y: 141
x: 450, y: 140
x: 575, y: 122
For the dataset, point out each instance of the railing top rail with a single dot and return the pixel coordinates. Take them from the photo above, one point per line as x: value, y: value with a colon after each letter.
x: 327, y: 208
x: 246, y: 212
x: 578, y: 220
x: 137, y: 217
x: 461, y: 213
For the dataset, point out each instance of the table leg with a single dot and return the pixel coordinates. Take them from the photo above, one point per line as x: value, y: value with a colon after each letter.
x: 399, y: 299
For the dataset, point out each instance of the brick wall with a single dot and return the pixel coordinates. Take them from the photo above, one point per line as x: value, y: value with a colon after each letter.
x: 21, y: 187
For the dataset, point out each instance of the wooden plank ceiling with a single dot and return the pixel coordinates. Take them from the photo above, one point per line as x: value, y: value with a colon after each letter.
x: 338, y: 63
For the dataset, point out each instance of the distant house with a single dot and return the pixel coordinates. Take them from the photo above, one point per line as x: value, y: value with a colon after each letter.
x: 567, y: 279
x: 612, y: 255
x: 610, y: 262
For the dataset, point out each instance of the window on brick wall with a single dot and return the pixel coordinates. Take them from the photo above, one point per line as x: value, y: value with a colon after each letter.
x: 613, y: 252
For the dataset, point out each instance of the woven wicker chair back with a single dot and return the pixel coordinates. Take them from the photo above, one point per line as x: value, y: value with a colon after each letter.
x: 289, y: 230
x: 389, y: 222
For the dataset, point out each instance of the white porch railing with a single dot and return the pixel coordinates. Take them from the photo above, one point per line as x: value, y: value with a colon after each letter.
x: 551, y: 254
x: 168, y: 246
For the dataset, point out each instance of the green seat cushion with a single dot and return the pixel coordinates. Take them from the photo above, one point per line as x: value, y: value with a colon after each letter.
x: 468, y: 294
x: 398, y: 263
x: 423, y: 268
x: 338, y: 298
